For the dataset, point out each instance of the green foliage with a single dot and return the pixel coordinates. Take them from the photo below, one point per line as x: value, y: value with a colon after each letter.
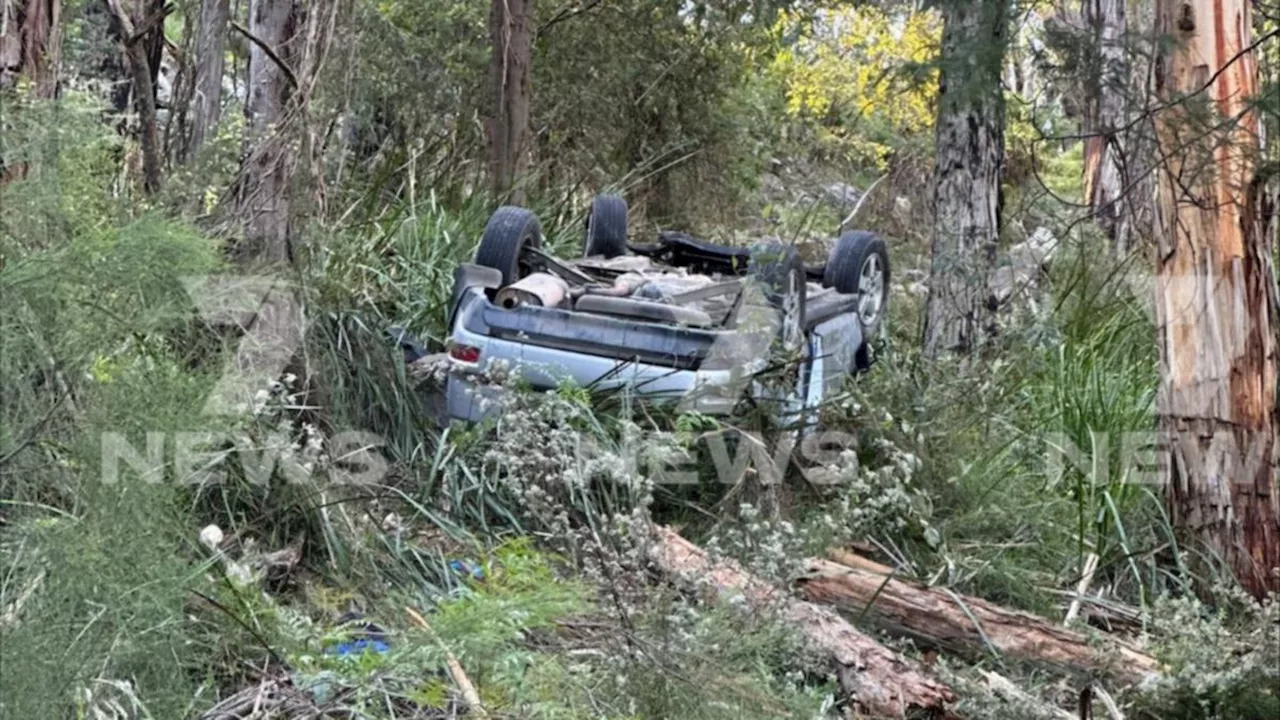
x: 109, y: 603
x: 994, y: 438
x: 668, y: 104
x: 98, y: 338
x: 434, y: 52
x: 1221, y: 661
x: 1097, y: 394
x: 863, y: 75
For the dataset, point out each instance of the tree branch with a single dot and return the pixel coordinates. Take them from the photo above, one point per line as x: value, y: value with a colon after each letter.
x: 33, y: 433
x: 280, y: 63
x: 156, y: 19
x: 1150, y: 112
x: 566, y: 13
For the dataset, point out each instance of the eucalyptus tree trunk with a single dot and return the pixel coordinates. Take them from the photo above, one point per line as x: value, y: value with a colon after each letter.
x: 139, y: 28
x: 268, y: 173
x: 144, y: 103
x: 511, y: 34
x: 31, y: 44
x: 970, y: 158
x: 1216, y: 297
x: 1105, y: 176
x: 209, y: 62
x: 31, y: 49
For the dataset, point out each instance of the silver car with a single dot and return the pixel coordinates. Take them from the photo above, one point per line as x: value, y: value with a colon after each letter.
x: 692, y: 322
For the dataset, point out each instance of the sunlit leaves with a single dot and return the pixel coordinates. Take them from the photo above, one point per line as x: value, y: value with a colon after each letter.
x: 852, y: 65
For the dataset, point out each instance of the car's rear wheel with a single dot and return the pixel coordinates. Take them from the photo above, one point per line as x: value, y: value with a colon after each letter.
x: 511, y: 230
x: 859, y: 264
x: 606, y: 227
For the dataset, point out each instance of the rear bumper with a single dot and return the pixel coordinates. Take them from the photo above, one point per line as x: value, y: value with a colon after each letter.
x: 547, y: 348
x: 711, y: 392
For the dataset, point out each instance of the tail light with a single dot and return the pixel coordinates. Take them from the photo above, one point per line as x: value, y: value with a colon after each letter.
x: 464, y: 353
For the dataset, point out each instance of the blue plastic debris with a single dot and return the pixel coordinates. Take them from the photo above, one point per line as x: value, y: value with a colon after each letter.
x: 365, y: 636
x: 474, y: 571
x: 358, y: 647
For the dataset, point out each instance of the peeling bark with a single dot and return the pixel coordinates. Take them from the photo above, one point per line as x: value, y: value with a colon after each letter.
x: 30, y: 47
x: 1216, y: 304
x: 1105, y: 177
x: 511, y: 34
x: 31, y: 44
x: 970, y: 159
x: 878, y: 680
x: 210, y: 62
x: 965, y: 624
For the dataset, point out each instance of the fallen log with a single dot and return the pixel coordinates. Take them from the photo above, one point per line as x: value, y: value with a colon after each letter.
x: 964, y: 624
x: 879, y: 681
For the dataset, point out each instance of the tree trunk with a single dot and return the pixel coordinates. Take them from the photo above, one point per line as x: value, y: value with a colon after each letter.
x: 141, y: 29
x: 1216, y: 305
x: 31, y: 44
x: 970, y: 157
x: 209, y: 64
x: 30, y: 47
x: 511, y: 34
x: 144, y: 103
x: 1105, y: 177
x: 964, y: 624
x: 878, y: 680
x: 268, y: 176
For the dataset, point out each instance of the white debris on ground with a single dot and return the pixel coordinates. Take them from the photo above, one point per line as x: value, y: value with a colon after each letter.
x: 1025, y: 263
x: 842, y: 194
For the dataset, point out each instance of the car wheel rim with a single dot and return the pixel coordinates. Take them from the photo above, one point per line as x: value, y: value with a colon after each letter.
x: 871, y: 288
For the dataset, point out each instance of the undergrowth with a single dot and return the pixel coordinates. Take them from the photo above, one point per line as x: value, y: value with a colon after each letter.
x: 163, y: 584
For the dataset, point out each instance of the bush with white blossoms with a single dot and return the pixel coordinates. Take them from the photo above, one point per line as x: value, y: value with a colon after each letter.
x: 869, y: 499
x: 1220, y: 662
x: 273, y: 430
x: 581, y: 485
x: 772, y: 549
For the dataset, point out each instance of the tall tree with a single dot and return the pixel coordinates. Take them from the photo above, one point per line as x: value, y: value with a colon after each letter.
x: 268, y: 172
x: 31, y: 48
x: 210, y: 59
x: 31, y: 43
x: 511, y: 34
x: 139, y: 27
x: 1105, y: 176
x: 966, y: 181
x: 1216, y: 302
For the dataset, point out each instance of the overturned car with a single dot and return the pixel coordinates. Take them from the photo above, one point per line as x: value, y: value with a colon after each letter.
x: 679, y: 319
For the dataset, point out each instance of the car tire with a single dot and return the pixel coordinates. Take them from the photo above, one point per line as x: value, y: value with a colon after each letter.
x: 606, y: 227
x: 780, y: 271
x: 859, y: 264
x: 510, y: 230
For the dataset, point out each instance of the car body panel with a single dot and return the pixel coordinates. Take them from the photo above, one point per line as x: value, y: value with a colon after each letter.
x: 549, y: 347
